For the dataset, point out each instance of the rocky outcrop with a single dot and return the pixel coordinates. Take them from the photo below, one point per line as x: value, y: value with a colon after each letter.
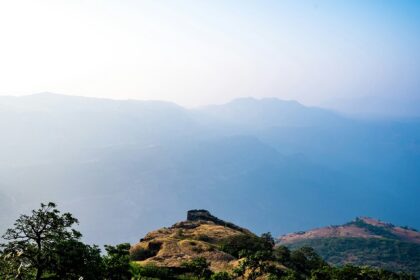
x: 204, y: 215
x: 201, y: 215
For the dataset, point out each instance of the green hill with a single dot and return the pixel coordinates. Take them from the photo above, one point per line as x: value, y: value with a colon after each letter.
x: 364, y: 241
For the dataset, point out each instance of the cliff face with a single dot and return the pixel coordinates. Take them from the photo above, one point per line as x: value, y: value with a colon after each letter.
x: 201, y: 215
x: 199, y: 236
x: 204, y: 215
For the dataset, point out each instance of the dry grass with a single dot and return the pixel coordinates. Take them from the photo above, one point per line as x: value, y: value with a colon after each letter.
x: 187, y: 240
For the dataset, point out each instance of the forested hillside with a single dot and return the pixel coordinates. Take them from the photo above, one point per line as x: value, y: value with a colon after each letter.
x: 364, y: 241
x: 47, y: 245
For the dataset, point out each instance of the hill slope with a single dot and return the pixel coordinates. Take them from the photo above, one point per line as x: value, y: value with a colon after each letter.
x: 199, y: 236
x: 364, y: 241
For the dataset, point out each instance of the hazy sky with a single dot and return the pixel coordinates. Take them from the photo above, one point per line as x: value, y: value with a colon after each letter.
x: 196, y: 52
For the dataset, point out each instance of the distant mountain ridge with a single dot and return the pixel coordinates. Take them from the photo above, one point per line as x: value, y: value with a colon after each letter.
x: 270, y: 112
x: 361, y: 227
x: 150, y: 161
x: 363, y: 241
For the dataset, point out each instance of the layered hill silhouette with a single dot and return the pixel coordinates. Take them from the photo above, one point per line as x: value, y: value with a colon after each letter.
x: 269, y: 164
x: 363, y: 241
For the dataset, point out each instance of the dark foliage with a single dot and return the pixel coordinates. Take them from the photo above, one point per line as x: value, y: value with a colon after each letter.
x: 246, y: 244
x: 33, y: 241
x: 152, y: 272
x: 381, y: 231
x: 73, y: 259
x: 381, y: 253
x: 198, y: 267
x: 140, y: 254
x: 117, y: 262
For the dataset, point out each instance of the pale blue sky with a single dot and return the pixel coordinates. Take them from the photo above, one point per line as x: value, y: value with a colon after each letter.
x: 197, y: 52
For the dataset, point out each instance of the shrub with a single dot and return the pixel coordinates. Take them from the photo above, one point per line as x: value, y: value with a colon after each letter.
x: 204, y: 238
x: 151, y: 271
x: 117, y: 262
x: 179, y: 234
x: 221, y: 276
x: 198, y: 267
x: 244, y: 243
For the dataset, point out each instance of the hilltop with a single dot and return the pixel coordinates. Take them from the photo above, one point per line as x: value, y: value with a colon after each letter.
x: 363, y: 241
x: 199, y: 236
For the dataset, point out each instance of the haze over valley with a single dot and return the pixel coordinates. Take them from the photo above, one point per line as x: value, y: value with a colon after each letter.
x: 126, y: 167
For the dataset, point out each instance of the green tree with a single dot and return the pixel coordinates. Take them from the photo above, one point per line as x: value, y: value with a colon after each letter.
x: 267, y: 240
x: 199, y: 267
x: 221, y: 276
x: 282, y: 254
x: 117, y: 262
x: 240, y: 243
x: 10, y: 268
x: 32, y: 240
x: 151, y: 271
x: 259, y: 264
x: 73, y: 259
x: 305, y: 259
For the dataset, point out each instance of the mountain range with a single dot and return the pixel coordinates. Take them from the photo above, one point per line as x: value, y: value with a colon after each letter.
x: 271, y: 165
